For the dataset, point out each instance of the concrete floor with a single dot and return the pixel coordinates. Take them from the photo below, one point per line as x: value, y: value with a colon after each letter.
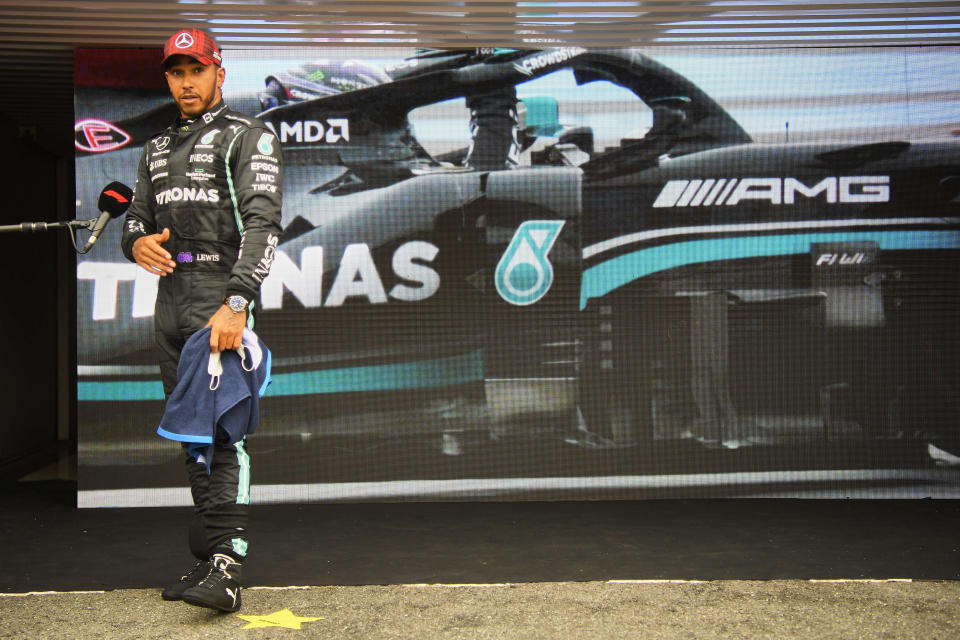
x: 559, y: 549
x: 721, y: 609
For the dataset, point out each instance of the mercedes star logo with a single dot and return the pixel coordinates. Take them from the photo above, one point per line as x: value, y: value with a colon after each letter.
x: 183, y: 41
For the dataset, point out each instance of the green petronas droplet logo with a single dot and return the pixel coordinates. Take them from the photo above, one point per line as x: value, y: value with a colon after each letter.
x: 524, y: 274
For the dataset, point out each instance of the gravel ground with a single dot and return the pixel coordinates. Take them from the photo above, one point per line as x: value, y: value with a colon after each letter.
x: 568, y: 610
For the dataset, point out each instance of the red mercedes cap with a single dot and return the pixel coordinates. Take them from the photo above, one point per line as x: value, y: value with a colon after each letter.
x: 196, y: 43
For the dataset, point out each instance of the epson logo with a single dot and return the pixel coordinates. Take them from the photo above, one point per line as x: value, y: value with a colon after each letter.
x: 528, y: 66
x: 724, y: 191
x: 336, y: 130
x: 187, y: 194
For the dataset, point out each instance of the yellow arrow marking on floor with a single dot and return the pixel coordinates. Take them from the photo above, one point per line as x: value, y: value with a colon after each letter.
x: 285, y: 618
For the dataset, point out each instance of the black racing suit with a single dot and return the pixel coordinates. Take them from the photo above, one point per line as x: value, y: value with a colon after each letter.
x: 216, y: 182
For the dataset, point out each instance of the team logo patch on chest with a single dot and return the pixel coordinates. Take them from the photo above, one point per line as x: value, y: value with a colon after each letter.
x: 188, y: 194
x: 209, y: 136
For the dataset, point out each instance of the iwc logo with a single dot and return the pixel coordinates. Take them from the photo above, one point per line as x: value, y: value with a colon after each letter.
x: 524, y: 275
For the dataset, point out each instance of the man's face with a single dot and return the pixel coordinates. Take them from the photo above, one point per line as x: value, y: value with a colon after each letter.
x: 195, y: 87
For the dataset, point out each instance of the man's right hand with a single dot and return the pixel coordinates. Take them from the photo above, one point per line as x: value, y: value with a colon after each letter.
x: 150, y: 255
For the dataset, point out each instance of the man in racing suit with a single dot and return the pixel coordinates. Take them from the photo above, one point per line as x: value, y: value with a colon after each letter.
x: 206, y: 218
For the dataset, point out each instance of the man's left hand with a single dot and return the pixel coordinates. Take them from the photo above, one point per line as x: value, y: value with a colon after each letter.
x: 226, y: 329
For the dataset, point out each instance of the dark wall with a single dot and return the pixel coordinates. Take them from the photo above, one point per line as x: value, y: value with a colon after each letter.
x: 29, y: 328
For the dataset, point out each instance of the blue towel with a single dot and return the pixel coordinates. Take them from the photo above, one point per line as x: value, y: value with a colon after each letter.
x: 217, y: 397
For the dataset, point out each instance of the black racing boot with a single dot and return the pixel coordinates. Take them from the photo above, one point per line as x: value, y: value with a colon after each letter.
x: 190, y: 579
x: 220, y: 589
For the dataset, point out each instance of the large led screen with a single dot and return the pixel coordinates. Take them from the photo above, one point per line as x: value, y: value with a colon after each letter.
x: 695, y: 273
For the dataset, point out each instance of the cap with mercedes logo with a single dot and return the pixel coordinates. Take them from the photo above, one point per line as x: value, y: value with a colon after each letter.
x: 196, y: 43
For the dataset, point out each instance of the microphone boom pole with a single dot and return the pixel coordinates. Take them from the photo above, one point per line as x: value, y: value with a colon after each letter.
x: 113, y: 202
x: 35, y: 227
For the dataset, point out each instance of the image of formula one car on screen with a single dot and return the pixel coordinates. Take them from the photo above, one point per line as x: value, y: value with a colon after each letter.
x: 677, y: 281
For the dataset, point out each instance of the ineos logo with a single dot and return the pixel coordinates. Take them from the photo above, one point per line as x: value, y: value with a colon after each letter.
x: 183, y: 41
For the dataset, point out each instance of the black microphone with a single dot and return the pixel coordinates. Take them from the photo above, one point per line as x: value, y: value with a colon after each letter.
x: 113, y: 202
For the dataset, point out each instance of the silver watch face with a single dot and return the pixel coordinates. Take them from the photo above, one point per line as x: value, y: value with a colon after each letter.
x: 236, y: 303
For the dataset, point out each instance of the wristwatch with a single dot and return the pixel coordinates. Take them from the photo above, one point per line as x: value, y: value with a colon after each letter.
x: 236, y: 303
